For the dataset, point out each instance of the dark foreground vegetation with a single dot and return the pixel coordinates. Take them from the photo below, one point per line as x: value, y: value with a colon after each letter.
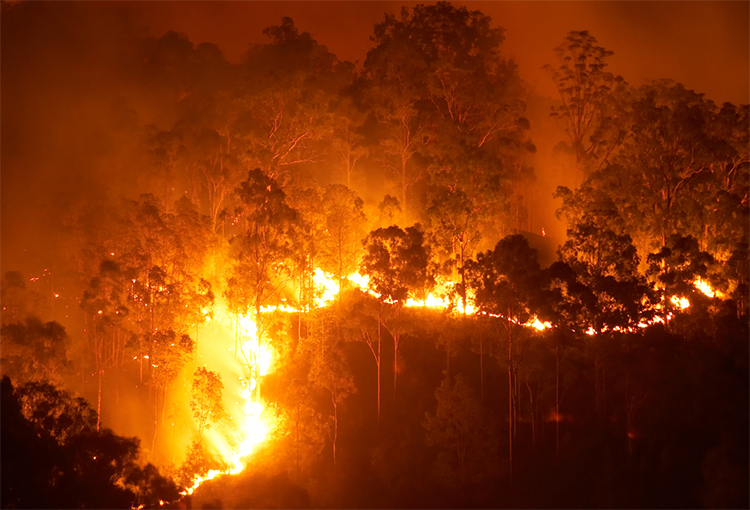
x: 671, y: 431
x: 607, y: 370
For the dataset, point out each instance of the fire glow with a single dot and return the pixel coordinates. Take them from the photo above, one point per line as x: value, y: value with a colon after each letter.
x: 706, y: 288
x: 256, y: 426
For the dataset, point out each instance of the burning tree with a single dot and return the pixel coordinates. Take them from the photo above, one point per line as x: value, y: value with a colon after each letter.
x: 262, y: 251
x: 205, y: 401
x: 345, y: 219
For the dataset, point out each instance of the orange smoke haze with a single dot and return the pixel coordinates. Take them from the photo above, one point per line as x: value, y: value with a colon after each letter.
x: 689, y: 42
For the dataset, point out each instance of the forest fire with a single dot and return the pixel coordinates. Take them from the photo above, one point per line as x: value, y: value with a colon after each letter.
x: 706, y: 288
x: 327, y: 287
x: 255, y: 273
x: 252, y: 426
x: 679, y: 302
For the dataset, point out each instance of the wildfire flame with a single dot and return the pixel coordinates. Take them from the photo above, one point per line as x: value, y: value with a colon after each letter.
x: 328, y: 287
x: 255, y: 427
x: 706, y: 288
x: 254, y: 431
x: 680, y: 302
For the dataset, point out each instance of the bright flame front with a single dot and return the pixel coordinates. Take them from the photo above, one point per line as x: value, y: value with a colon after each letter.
x: 256, y: 359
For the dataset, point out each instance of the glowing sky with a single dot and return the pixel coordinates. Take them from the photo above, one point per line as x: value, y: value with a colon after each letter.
x: 704, y: 45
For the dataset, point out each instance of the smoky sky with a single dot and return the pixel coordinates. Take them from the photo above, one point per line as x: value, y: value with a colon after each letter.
x: 704, y: 45
x: 68, y: 68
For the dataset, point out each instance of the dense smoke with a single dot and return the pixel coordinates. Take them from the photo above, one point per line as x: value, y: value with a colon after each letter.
x: 457, y: 254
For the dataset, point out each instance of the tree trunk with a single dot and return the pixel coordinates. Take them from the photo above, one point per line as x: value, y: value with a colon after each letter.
x: 88, y: 336
x: 163, y: 403
x: 597, y: 389
x: 299, y: 314
x: 481, y: 370
x: 448, y: 358
x: 140, y: 349
x: 347, y: 158
x: 98, y: 347
x: 151, y: 338
x: 156, y: 407
x: 380, y: 358
x: 516, y: 401
x: 557, y: 405
x: 396, y: 339
x: 259, y: 333
x: 296, y: 450
x: 604, y: 393
x: 117, y: 348
x: 404, y: 185
x: 533, y: 414
x: 335, y: 427
x: 98, y: 392
x: 510, y: 399
x: 629, y: 416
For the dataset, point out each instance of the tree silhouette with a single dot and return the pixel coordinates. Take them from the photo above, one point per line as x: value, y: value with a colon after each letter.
x: 459, y: 430
x: 586, y: 91
x: 397, y: 262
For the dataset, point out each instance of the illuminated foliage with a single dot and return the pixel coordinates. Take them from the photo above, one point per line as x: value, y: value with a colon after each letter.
x: 54, y: 411
x: 284, y: 99
x: 679, y: 170
x: 454, y: 222
x: 626, y: 358
x: 348, y: 141
x: 34, y: 351
x: 205, y: 401
x: 341, y: 247
x: 269, y: 234
x: 440, y: 90
x: 397, y: 261
x: 169, y: 354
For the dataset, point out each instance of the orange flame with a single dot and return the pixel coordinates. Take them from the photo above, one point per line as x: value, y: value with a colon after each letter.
x: 706, y: 288
x: 256, y: 426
